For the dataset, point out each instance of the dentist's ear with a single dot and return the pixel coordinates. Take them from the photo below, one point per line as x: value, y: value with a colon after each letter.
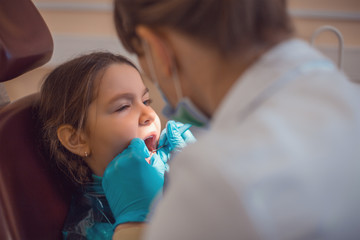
x: 73, y: 140
x: 161, y: 51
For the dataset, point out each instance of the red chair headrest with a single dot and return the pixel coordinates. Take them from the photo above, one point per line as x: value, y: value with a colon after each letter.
x: 25, y: 40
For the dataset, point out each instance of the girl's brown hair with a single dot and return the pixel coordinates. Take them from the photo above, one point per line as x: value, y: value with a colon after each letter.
x: 230, y: 26
x: 65, y: 97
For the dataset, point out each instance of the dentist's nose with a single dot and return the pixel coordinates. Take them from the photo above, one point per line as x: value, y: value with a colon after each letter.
x: 147, y: 116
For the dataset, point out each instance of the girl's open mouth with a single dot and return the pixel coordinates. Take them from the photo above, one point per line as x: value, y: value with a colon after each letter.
x: 150, y: 142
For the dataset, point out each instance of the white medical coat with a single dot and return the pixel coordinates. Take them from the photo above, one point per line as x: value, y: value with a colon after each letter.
x: 287, y: 168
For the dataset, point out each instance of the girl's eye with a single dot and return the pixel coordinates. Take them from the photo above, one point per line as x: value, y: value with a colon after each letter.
x: 122, y: 108
x: 148, y: 102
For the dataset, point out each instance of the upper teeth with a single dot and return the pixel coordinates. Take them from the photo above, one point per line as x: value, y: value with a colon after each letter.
x: 148, y: 137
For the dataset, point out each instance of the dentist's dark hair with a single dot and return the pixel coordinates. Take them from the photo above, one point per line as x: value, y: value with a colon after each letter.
x: 230, y: 26
x: 65, y: 96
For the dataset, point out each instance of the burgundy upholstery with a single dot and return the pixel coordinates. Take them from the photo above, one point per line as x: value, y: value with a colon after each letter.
x: 34, y: 197
x: 25, y: 40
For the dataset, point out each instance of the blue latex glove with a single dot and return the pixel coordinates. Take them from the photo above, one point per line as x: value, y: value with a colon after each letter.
x: 130, y: 184
x: 173, y: 138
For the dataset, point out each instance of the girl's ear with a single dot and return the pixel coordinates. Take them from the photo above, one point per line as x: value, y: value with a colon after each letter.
x: 160, y: 49
x: 72, y: 140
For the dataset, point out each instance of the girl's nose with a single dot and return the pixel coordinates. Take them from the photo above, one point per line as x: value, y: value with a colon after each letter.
x: 147, y: 116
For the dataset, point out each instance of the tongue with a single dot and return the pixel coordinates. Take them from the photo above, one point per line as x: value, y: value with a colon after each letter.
x: 149, y: 144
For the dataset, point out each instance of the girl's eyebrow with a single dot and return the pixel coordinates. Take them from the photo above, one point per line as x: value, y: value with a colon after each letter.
x: 146, y: 91
x: 120, y: 96
x: 126, y: 96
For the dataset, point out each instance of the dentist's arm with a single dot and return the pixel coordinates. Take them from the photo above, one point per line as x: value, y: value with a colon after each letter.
x: 129, y: 231
x: 130, y: 185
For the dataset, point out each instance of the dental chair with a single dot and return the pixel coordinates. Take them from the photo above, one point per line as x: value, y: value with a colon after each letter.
x: 34, y: 196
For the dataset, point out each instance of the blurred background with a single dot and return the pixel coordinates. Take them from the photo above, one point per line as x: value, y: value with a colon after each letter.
x: 80, y: 26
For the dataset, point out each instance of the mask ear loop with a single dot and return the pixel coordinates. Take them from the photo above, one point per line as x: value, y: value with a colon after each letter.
x: 176, y: 80
x: 149, y: 62
x: 151, y: 67
x: 340, y: 38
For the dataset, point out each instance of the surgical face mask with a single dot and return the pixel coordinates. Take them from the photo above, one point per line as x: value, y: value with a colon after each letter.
x: 185, y: 111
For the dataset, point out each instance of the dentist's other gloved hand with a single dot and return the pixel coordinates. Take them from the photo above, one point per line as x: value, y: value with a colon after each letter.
x: 130, y: 184
x: 174, y: 139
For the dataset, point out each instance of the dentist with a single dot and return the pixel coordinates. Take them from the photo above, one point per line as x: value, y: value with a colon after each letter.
x: 280, y: 157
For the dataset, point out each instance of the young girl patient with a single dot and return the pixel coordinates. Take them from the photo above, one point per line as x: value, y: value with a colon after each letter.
x: 91, y: 108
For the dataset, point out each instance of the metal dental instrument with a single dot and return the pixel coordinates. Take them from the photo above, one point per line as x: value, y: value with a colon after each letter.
x: 182, y: 129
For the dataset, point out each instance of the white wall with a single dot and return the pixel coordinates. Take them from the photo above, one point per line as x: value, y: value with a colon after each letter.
x: 85, y: 25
